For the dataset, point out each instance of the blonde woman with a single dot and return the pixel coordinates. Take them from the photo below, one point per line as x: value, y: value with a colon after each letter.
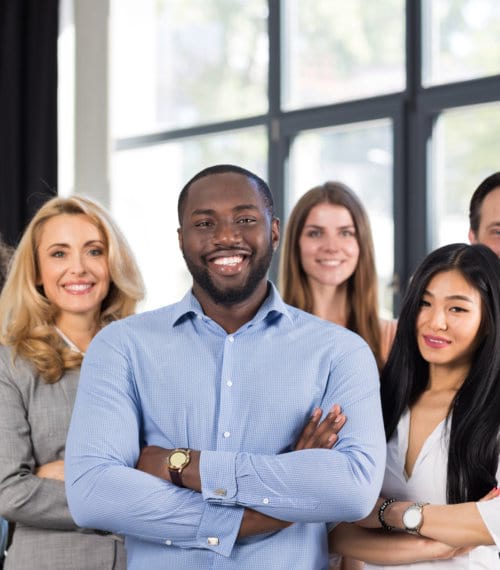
x: 71, y: 274
x: 328, y: 267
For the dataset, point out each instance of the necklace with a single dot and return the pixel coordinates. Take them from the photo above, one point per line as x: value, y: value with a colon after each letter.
x: 68, y: 341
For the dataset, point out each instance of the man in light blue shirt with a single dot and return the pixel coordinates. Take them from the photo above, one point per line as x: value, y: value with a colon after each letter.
x: 186, y: 419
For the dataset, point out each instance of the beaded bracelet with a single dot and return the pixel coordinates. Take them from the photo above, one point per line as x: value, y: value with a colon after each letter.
x: 381, y: 510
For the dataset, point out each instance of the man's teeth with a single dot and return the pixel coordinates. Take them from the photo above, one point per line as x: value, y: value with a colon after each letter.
x: 78, y: 287
x: 228, y: 260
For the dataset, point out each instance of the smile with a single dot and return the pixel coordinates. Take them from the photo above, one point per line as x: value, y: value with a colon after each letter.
x: 227, y: 263
x: 436, y: 341
x: 330, y: 262
x: 78, y: 288
x: 233, y: 260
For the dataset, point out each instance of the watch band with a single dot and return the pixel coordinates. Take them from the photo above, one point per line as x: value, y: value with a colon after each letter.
x: 381, y: 511
x: 176, y: 476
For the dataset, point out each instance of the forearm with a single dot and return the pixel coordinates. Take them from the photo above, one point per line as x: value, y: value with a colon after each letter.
x: 380, y: 547
x: 37, y: 502
x: 256, y: 523
x: 106, y: 495
x: 304, y: 486
x: 458, y: 525
x: 154, y: 460
x: 24, y: 497
x: 351, y: 564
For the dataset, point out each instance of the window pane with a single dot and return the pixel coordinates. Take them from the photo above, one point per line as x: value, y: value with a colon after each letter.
x: 336, y: 50
x: 178, y: 64
x: 466, y: 149
x: 146, y: 184
x: 360, y: 156
x: 460, y: 40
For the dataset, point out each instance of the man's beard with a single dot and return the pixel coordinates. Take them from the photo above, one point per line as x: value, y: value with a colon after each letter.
x: 231, y: 295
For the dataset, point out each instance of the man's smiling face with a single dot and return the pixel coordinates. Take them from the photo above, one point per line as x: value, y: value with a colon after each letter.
x: 227, y: 237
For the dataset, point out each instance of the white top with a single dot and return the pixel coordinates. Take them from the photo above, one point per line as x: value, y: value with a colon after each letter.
x: 428, y: 484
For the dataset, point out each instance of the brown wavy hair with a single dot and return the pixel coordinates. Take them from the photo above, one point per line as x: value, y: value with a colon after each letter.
x: 27, y: 316
x: 363, y: 317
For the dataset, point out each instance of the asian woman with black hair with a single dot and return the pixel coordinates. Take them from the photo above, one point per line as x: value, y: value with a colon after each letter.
x: 440, y: 506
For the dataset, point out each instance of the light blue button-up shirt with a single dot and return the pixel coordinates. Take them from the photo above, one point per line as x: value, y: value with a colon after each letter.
x: 174, y: 378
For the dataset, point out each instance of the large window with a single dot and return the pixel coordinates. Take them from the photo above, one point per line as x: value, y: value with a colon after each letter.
x: 335, y: 50
x: 398, y: 99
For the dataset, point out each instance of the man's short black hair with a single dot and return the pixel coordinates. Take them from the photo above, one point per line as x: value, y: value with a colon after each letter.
x: 487, y: 185
x: 222, y: 169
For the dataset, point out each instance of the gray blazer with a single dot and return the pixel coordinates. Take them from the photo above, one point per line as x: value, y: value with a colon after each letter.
x: 34, y: 420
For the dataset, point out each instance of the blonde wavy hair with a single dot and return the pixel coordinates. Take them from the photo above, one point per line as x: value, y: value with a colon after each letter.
x: 363, y: 317
x: 27, y: 316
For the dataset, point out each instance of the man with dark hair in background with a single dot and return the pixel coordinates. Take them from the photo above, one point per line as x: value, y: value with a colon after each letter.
x: 484, y: 213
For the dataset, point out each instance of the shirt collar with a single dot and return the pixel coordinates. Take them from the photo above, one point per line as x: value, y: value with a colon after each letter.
x: 189, y: 306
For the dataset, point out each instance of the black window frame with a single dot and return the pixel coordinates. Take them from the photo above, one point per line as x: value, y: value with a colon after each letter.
x: 413, y: 113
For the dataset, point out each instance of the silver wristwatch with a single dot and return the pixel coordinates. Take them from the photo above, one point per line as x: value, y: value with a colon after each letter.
x: 413, y: 518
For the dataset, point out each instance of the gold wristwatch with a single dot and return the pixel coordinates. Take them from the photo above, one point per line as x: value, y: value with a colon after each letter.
x: 177, y: 460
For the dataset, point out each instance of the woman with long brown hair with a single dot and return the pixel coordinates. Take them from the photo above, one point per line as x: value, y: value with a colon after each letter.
x: 71, y: 275
x: 328, y: 264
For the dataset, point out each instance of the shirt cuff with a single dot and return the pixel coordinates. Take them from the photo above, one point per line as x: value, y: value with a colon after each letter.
x: 219, y: 528
x: 218, y: 477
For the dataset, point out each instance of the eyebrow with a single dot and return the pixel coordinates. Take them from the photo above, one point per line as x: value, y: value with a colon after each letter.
x: 211, y: 212
x: 87, y: 243
x: 349, y: 226
x: 453, y: 297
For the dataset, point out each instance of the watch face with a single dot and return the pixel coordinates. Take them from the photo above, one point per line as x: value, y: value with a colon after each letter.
x: 178, y: 459
x: 412, y: 518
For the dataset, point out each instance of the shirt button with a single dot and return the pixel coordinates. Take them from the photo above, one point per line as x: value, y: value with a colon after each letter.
x: 229, y: 383
x: 212, y: 541
x: 220, y: 492
x: 265, y: 501
x: 230, y: 338
x: 168, y: 542
x: 227, y: 433
x: 199, y: 317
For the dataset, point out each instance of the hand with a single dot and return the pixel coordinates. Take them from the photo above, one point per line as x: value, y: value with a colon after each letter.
x: 495, y: 492
x: 324, y: 435
x: 52, y: 470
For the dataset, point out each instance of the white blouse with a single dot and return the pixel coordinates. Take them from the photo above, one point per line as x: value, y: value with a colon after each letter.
x: 428, y: 484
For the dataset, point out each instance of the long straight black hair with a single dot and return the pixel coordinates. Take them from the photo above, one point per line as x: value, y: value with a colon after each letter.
x: 475, y: 410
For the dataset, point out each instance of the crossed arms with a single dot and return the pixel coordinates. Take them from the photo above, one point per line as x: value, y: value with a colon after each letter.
x: 106, y: 491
